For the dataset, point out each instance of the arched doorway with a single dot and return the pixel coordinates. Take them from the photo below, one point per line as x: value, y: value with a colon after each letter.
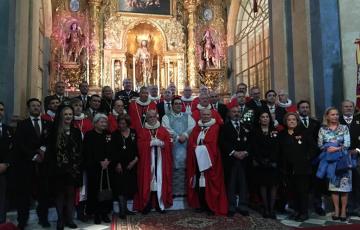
x: 252, y: 45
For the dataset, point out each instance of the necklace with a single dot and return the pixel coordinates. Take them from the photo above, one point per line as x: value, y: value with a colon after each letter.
x: 124, y: 137
x: 143, y: 114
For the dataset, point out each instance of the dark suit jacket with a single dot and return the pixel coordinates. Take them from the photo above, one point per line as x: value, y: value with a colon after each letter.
x: 354, y: 129
x: 106, y: 106
x: 252, y: 105
x: 6, y: 145
x: 228, y: 142
x: 312, y: 129
x: 126, y: 97
x: 161, y: 109
x: 279, y: 113
x: 26, y: 140
x: 48, y: 98
x: 222, y: 110
x: 87, y: 105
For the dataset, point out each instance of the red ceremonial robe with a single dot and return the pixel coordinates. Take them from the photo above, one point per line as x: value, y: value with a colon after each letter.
x: 215, y: 193
x: 84, y: 125
x: 136, y: 111
x: 196, y: 115
x: 112, y: 123
x: 144, y: 176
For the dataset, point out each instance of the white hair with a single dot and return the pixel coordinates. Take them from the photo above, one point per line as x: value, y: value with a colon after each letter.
x: 99, y: 116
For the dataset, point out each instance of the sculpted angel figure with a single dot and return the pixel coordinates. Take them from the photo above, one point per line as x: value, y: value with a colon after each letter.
x: 74, y: 42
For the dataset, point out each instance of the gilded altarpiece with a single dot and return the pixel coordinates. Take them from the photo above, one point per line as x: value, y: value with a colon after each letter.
x: 103, y: 45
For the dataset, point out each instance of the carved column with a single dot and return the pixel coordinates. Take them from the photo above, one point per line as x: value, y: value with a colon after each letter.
x: 190, y: 6
x: 95, y: 55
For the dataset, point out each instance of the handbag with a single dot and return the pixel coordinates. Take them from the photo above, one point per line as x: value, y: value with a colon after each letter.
x: 105, y: 194
x: 344, y: 164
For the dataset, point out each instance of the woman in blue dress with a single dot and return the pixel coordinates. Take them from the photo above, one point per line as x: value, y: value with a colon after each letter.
x: 338, y: 136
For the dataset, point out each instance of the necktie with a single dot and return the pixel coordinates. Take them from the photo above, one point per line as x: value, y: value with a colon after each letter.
x: 237, y: 126
x: 37, y: 126
x: 241, y: 109
x: 305, y: 122
x: 168, y: 106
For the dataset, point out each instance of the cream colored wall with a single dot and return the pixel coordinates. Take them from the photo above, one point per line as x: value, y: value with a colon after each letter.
x: 301, y: 50
x: 279, y: 53
x: 350, y: 30
x: 28, y: 79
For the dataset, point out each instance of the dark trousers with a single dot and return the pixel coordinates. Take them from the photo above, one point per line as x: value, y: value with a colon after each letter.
x: 319, y: 187
x: 300, y: 189
x: 2, y: 198
x: 30, y: 180
x: 65, y: 199
x: 354, y: 195
x: 236, y: 184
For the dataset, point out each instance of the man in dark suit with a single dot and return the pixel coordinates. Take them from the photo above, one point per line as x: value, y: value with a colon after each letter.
x: 84, y: 96
x: 352, y: 121
x: 127, y: 93
x: 164, y: 107
x: 311, y: 127
x: 217, y: 105
x: 59, y: 93
x: 30, y: 137
x: 5, y: 148
x: 255, y: 103
x: 94, y: 106
x: 277, y: 112
x: 234, y: 145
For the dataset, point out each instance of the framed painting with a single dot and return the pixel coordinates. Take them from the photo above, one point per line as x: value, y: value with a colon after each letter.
x: 157, y: 7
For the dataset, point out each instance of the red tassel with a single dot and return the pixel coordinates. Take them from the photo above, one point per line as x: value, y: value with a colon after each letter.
x: 255, y: 8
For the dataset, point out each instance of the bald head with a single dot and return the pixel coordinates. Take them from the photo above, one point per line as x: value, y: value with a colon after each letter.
x: 204, y: 99
x: 151, y: 117
x: 187, y: 92
x: 205, y: 115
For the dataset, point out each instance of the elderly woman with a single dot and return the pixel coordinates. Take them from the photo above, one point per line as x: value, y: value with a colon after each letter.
x: 334, y: 138
x: 124, y: 158
x: 297, y: 150
x: 96, y: 153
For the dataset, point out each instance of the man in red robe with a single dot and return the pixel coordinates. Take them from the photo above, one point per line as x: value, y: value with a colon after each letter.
x: 154, y: 167
x: 139, y: 108
x: 204, y: 103
x: 187, y: 100
x: 204, y: 172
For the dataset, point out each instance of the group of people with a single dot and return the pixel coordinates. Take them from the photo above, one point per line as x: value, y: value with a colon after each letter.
x: 85, y: 152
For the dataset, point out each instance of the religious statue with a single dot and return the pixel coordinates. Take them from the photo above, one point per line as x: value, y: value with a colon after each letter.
x: 143, y: 63
x: 74, y: 43
x: 209, y: 53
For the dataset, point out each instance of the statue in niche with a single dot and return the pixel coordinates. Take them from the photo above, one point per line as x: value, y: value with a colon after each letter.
x: 74, y: 43
x: 208, y: 52
x: 143, y: 63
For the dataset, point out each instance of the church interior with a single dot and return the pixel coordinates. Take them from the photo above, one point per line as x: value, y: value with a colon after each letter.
x: 307, y: 48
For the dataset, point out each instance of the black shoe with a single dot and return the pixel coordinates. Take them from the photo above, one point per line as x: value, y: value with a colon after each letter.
x: 272, y: 215
x: 146, y: 210
x: 243, y: 212
x: 302, y: 218
x: 130, y: 213
x: 71, y: 225
x: 59, y: 225
x: 83, y: 218
x: 44, y: 224
x: 122, y: 216
x: 335, y: 217
x: 97, y: 220
x: 210, y: 213
x: 231, y: 214
x: 106, y: 219
x: 293, y: 216
x: 320, y: 211
x: 199, y: 210
x: 343, y: 219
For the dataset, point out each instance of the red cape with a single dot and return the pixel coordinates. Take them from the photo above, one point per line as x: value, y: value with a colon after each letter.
x: 135, y: 111
x: 112, y: 123
x: 186, y: 103
x: 84, y: 125
x: 144, y: 173
x: 196, y: 115
x: 215, y: 193
x: 194, y: 104
x: 47, y: 117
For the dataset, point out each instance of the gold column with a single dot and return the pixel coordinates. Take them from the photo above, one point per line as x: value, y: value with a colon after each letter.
x: 190, y: 6
x: 95, y: 59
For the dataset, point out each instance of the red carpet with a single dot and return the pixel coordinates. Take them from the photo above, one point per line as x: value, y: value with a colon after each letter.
x: 187, y: 220
x: 338, y: 227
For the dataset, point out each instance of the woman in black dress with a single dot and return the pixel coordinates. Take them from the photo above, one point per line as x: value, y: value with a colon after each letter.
x: 123, y: 164
x: 65, y: 158
x: 96, y: 154
x: 297, y: 151
x: 265, y: 145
